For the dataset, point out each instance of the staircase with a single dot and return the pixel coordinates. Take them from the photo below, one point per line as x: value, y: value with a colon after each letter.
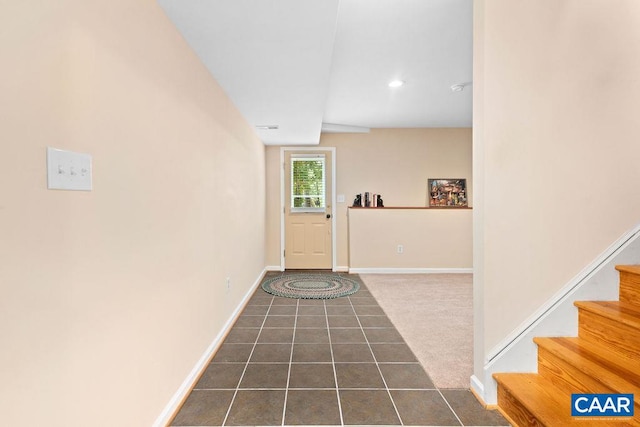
x: 604, y: 358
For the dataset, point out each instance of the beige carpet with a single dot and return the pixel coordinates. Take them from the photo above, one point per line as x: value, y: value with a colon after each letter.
x: 434, y: 314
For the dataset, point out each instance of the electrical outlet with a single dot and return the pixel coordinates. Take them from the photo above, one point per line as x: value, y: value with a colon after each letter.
x: 400, y: 249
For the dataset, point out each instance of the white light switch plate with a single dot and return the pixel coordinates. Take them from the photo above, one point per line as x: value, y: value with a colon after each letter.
x: 67, y: 170
x: 340, y: 198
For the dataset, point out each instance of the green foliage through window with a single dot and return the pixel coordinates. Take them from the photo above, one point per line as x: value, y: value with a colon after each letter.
x: 307, y: 183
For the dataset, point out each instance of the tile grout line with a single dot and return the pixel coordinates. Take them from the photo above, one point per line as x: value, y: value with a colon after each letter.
x: 321, y: 388
x: 293, y: 340
x: 226, y: 416
x: 333, y: 362
x: 447, y: 402
x: 375, y: 359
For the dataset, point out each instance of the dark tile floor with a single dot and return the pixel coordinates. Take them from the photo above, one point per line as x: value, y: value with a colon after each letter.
x: 322, y: 362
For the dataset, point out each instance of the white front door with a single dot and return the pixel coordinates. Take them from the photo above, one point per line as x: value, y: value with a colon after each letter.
x: 307, y: 211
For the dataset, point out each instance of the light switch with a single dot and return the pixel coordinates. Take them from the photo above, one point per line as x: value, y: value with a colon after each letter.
x: 67, y: 170
x: 340, y: 198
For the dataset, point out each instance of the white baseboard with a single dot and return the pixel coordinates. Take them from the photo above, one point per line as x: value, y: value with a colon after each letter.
x: 165, y: 416
x: 558, y: 316
x: 338, y: 269
x: 410, y: 270
x: 477, y: 387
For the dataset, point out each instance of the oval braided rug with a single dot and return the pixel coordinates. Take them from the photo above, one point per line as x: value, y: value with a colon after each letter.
x: 310, y: 286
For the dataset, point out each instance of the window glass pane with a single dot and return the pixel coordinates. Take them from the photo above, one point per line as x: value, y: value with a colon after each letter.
x: 307, y: 183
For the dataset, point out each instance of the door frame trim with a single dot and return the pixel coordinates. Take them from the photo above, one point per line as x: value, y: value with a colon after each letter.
x: 332, y: 152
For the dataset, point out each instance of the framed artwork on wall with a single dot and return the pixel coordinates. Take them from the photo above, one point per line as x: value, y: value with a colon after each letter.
x: 447, y: 193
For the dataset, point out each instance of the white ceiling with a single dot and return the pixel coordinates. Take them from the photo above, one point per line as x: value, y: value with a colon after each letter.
x: 300, y: 63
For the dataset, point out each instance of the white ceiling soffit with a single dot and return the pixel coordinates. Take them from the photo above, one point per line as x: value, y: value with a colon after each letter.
x: 295, y: 64
x: 273, y: 58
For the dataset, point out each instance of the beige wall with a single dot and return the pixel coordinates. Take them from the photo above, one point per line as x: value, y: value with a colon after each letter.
x: 110, y: 297
x: 556, y: 151
x: 431, y: 239
x: 395, y: 163
x: 273, y: 206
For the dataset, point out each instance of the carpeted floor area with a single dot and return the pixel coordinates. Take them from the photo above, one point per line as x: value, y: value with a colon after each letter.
x: 434, y: 314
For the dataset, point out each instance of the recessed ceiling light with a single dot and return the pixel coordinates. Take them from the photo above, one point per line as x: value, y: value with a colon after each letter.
x: 396, y: 83
x: 267, y: 127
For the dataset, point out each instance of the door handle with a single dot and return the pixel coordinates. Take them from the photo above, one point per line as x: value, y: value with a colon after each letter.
x: 328, y: 216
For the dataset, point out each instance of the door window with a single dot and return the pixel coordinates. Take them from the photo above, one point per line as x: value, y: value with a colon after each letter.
x: 308, y: 183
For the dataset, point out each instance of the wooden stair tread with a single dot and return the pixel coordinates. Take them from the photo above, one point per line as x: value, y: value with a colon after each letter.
x: 604, y: 358
x: 625, y: 313
x: 608, y: 367
x: 539, y: 397
x: 634, y: 269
